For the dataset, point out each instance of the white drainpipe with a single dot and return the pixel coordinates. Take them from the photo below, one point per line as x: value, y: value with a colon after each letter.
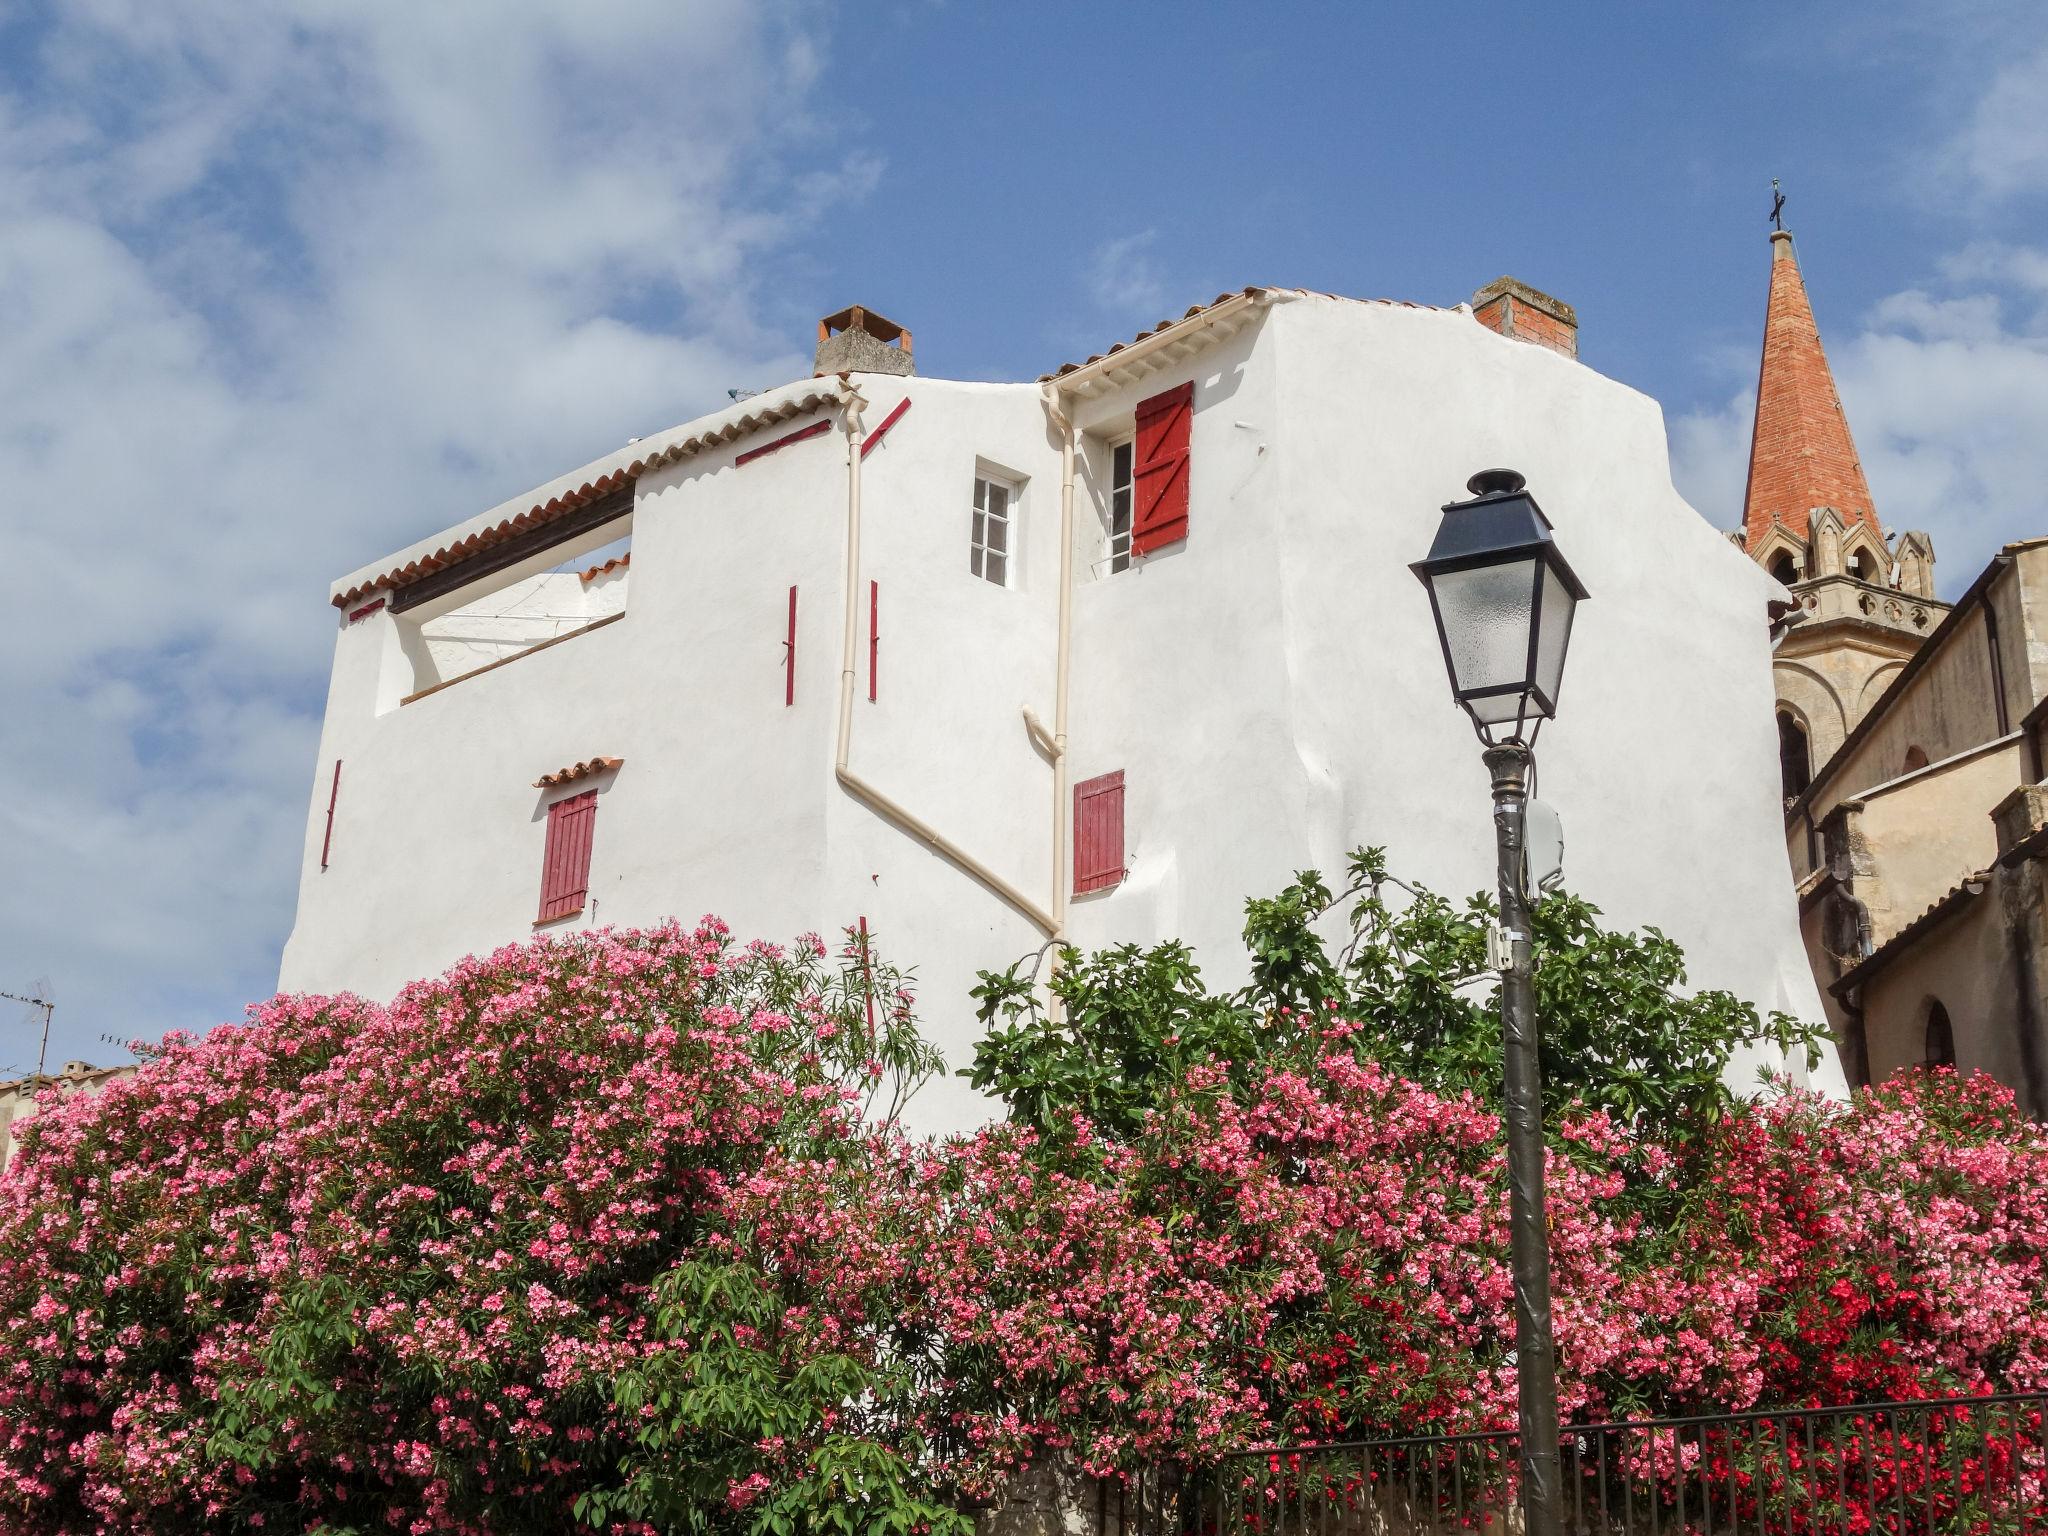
x: 1062, y: 665
x: 854, y: 785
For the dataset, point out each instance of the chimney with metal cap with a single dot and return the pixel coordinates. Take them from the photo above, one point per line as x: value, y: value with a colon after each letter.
x: 1512, y: 307
x: 858, y: 340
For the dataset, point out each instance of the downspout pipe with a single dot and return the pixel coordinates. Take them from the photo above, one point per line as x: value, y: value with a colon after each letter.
x: 854, y: 403
x: 1062, y: 664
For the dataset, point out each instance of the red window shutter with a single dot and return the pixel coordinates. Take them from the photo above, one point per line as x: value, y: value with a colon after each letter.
x: 1160, y: 517
x: 565, y: 868
x: 1099, y: 833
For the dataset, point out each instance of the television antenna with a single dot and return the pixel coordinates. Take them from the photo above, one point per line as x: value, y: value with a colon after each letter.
x: 43, y: 1002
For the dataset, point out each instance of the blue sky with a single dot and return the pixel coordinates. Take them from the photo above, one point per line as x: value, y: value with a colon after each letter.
x: 287, y: 287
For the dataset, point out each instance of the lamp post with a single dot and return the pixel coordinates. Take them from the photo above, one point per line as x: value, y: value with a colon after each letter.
x: 1503, y: 598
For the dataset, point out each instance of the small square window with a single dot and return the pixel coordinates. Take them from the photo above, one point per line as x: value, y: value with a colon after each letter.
x: 1122, y: 457
x: 988, y: 550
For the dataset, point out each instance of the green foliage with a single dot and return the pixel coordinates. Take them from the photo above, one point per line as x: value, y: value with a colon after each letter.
x: 1618, y: 1032
x: 1131, y: 1021
x: 738, y: 1429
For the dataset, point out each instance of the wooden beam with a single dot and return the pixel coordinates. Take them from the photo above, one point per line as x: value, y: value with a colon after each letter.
x: 520, y: 546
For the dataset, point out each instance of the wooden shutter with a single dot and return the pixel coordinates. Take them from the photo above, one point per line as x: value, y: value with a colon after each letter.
x: 565, y: 868
x: 1160, y: 516
x: 1099, y: 833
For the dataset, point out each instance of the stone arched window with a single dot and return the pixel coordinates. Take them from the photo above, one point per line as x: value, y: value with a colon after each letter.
x: 1941, y: 1037
x: 1795, y: 758
x: 1866, y: 568
x: 1782, y: 569
x: 1916, y: 757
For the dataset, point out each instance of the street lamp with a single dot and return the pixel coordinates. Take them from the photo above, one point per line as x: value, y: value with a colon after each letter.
x: 1503, y: 598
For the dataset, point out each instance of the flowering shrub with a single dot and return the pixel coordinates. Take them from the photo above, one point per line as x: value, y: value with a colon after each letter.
x: 358, y: 1267
x: 618, y: 1229
x: 1324, y: 1256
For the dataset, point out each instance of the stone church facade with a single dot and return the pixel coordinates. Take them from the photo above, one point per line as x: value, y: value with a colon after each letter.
x: 1912, y: 736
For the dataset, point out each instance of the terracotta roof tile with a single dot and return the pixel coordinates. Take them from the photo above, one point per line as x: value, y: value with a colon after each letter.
x: 1801, y: 455
x: 587, y: 769
x: 616, y: 563
x: 1963, y: 890
x: 1195, y: 311
x: 827, y: 393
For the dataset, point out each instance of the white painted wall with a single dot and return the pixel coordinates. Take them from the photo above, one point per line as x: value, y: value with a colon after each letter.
x: 514, y: 619
x: 1272, y: 688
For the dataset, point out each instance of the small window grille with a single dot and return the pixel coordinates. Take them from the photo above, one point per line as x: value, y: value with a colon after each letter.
x: 1121, y: 460
x: 988, y: 556
x: 988, y: 553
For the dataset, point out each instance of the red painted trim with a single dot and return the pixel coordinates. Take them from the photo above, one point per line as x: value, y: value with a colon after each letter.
x: 882, y: 431
x: 874, y: 633
x: 782, y: 442
x: 334, y: 794
x: 789, y: 656
x: 365, y: 611
x: 867, y: 981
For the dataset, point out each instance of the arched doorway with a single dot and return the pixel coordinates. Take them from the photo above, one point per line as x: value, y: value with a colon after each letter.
x: 1795, y: 759
x: 1941, y: 1038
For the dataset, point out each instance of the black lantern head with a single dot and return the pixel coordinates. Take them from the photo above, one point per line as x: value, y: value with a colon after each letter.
x: 1503, y: 598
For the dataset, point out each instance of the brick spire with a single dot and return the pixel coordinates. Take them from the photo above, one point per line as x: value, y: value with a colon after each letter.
x: 1800, y: 453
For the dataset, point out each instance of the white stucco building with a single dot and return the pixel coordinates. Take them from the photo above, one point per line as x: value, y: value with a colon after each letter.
x: 827, y: 688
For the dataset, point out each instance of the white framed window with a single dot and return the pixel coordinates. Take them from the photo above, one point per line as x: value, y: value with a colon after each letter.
x: 1122, y: 474
x: 990, y: 546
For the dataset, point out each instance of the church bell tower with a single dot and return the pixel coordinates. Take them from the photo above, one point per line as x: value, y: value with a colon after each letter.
x: 1858, y: 604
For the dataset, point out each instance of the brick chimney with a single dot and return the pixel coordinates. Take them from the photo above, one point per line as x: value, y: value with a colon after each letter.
x: 858, y: 340
x: 1513, y: 308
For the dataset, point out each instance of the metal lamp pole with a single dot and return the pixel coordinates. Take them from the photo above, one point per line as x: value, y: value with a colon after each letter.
x: 1503, y: 596
x: 1528, y: 1227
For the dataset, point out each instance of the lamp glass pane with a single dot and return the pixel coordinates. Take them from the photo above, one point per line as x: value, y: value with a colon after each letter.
x: 1485, y: 614
x: 1502, y: 708
x: 1553, y: 633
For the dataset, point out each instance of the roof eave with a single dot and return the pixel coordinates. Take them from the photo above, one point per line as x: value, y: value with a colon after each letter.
x: 601, y: 477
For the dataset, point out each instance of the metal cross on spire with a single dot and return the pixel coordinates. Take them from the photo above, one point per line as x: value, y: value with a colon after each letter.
x: 1777, y: 205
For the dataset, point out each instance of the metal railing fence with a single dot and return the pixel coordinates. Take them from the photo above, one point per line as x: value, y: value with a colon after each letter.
x: 1974, y: 1466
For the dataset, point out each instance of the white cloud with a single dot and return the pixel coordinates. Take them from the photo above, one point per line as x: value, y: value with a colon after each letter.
x: 1945, y: 381
x: 284, y: 288
x: 1124, y: 278
x: 2004, y: 141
